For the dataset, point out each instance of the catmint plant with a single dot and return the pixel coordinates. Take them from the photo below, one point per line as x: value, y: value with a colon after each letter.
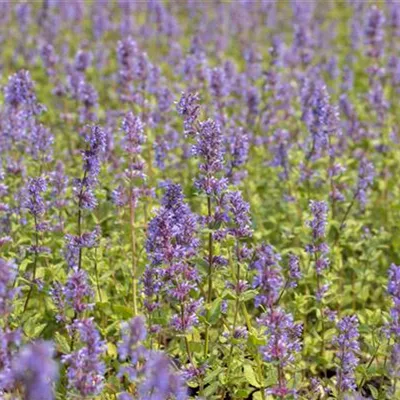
x: 208, y: 206
x: 346, y: 343
x: 85, y: 369
x: 34, y: 370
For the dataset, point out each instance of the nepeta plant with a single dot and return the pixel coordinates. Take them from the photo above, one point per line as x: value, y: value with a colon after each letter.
x: 220, y: 180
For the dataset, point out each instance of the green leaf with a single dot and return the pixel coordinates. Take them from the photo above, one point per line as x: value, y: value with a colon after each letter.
x: 228, y: 295
x: 214, y: 312
x: 257, y: 396
x: 374, y: 391
x: 271, y: 378
x: 250, y: 294
x: 243, y: 393
x: 123, y: 311
x: 62, y: 343
x: 211, y: 389
x: 256, y: 341
x: 250, y: 376
x: 211, y: 376
x: 112, y: 350
x: 33, y: 330
x: 202, y: 265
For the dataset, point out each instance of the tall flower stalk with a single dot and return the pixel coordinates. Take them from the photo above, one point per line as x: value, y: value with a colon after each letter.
x: 84, y: 187
x: 134, y: 174
x: 283, y: 335
x: 85, y: 369
x: 8, y: 336
x: 149, y: 371
x: 394, y: 325
x: 209, y: 149
x: 33, y: 371
x: 318, y: 250
x: 36, y: 207
x: 238, y: 225
x: 365, y: 179
x: 347, y: 348
x: 171, y: 276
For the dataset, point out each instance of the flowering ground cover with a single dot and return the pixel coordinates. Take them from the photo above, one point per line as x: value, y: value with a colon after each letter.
x: 199, y: 200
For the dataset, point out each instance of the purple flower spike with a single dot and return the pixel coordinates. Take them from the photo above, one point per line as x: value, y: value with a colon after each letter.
x: 85, y: 370
x: 35, y: 203
x: 374, y: 32
x: 77, y: 290
x: 268, y: 280
x: 133, y: 128
x: 7, y: 293
x: 209, y: 148
x: 319, y: 210
x: 347, y: 349
x: 34, y: 369
x: 294, y: 270
x: 19, y: 92
x: 366, y: 174
x: 133, y: 333
x: 188, y: 107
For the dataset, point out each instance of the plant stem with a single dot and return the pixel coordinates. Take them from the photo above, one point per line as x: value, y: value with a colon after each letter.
x: 210, y: 255
x: 237, y: 304
x: 133, y: 246
x: 34, y: 265
x: 384, y: 365
x: 97, y: 274
x: 369, y: 365
x: 257, y: 357
x: 189, y: 354
x: 80, y: 218
x: 322, y: 319
x: 209, y: 277
x: 346, y: 214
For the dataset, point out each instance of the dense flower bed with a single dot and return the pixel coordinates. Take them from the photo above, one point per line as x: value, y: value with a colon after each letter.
x: 199, y: 200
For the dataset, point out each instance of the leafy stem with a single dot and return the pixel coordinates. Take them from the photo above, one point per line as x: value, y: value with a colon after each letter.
x: 209, y: 277
x: 34, y: 264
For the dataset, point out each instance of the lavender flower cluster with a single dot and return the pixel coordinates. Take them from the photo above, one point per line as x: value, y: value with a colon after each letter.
x: 199, y: 200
